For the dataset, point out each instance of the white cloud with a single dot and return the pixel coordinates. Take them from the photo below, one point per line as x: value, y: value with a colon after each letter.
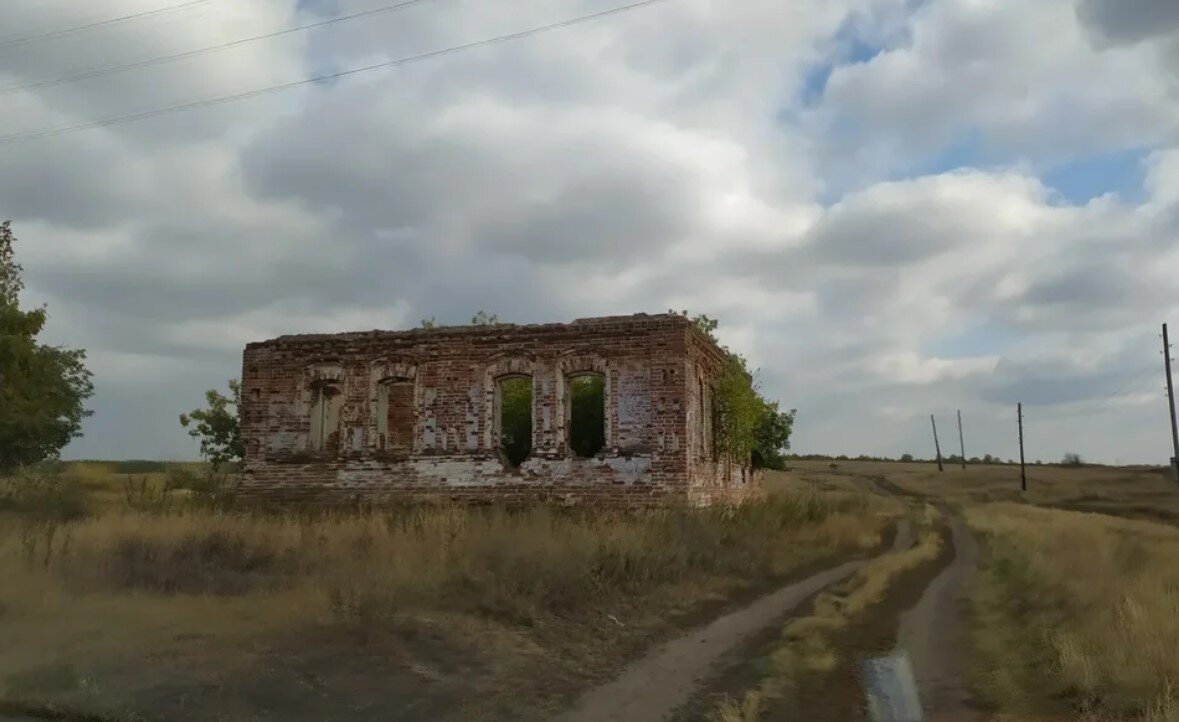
x: 1023, y: 78
x: 660, y: 158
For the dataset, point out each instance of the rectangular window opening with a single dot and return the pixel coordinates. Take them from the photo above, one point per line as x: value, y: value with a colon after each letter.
x: 325, y: 417
x: 395, y: 415
x: 514, y: 417
x: 587, y: 414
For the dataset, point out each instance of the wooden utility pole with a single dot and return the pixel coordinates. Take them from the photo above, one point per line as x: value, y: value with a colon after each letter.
x: 937, y: 447
x: 1171, y: 402
x: 961, y: 440
x: 1023, y: 471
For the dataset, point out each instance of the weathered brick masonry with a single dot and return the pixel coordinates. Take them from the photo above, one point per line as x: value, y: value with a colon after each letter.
x: 412, y: 415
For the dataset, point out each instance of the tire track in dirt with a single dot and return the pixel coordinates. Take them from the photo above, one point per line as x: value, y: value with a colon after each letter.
x: 933, y: 634
x: 932, y: 631
x: 652, y: 687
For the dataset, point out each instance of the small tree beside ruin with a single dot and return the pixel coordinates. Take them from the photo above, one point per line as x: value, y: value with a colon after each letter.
x: 749, y: 427
x: 218, y: 426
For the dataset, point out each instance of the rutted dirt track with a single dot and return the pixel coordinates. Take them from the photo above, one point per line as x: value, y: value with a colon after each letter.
x: 927, y: 624
x: 932, y: 631
x: 932, y: 634
x: 652, y: 687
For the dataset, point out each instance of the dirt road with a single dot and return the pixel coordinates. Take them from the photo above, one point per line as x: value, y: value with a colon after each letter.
x: 933, y: 634
x: 652, y: 687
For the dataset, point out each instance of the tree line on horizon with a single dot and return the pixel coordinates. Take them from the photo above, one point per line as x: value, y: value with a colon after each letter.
x: 1069, y: 459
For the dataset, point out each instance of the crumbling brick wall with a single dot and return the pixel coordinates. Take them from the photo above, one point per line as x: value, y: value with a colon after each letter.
x: 656, y: 444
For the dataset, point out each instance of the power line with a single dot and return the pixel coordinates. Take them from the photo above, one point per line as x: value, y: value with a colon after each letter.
x: 1112, y: 397
x: 113, y: 69
x: 220, y: 100
x: 24, y: 39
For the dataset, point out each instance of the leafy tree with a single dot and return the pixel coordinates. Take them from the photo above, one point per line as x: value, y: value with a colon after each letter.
x: 771, y: 436
x: 218, y: 426
x: 428, y: 323
x: 906, y: 457
x: 42, y: 388
x: 749, y: 427
x: 1072, y: 459
x: 738, y: 411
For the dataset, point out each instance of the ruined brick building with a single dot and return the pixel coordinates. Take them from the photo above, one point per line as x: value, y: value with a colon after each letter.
x: 421, y: 414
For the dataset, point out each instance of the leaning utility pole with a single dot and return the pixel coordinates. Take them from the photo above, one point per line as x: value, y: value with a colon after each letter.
x: 1023, y: 471
x: 1171, y: 402
x: 961, y: 441
x: 937, y: 447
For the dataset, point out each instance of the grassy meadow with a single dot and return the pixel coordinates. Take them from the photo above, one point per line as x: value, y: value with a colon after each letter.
x: 125, y: 591
x: 128, y: 586
x: 1074, y: 612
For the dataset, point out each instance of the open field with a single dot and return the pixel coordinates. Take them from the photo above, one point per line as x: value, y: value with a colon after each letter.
x: 1129, y: 491
x: 131, y: 596
x: 1075, y: 610
x: 1076, y: 613
x: 439, y: 613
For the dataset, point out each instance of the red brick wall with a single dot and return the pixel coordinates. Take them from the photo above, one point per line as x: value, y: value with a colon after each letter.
x: 649, y: 362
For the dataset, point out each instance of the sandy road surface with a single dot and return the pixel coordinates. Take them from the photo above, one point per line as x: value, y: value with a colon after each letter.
x: 655, y: 685
x: 933, y: 634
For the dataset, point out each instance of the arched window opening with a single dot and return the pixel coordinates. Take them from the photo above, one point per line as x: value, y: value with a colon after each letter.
x: 326, y: 400
x: 514, y: 418
x: 587, y: 414
x: 395, y: 415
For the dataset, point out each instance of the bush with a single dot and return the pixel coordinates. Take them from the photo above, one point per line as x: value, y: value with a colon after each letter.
x: 44, y: 494
x: 218, y: 563
x: 210, y: 489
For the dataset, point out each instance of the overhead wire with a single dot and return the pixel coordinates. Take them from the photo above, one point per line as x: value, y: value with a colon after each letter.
x: 221, y: 100
x: 124, y: 67
x: 25, y: 39
x: 1108, y: 400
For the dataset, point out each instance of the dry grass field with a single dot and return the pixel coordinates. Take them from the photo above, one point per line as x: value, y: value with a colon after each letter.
x: 439, y: 613
x: 1074, y: 613
x: 130, y: 592
x: 1077, y: 612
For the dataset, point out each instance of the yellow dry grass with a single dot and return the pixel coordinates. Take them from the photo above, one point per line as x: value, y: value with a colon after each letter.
x: 1076, y: 613
x: 126, y: 587
x: 1114, y: 489
x: 807, y: 642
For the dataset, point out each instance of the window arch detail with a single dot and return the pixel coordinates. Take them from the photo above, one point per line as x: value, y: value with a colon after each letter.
x: 587, y: 420
x: 501, y: 369
x: 324, y: 397
x: 395, y: 400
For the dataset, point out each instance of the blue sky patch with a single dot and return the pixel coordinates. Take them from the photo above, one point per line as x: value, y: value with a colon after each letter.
x: 814, y: 83
x: 967, y: 150
x: 980, y: 339
x: 1082, y: 179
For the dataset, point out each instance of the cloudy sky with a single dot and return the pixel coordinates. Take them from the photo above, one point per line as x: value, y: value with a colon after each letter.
x: 895, y: 207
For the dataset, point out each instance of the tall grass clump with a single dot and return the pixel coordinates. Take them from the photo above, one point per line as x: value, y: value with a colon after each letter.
x: 514, y: 565
x: 43, y: 494
x: 1079, y: 607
